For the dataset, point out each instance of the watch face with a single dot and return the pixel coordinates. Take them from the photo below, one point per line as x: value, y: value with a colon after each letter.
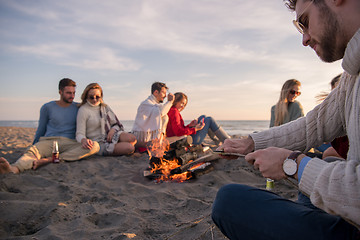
x: 290, y: 167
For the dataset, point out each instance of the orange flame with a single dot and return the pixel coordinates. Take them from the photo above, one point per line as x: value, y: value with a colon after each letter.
x: 165, y: 167
x: 157, y: 148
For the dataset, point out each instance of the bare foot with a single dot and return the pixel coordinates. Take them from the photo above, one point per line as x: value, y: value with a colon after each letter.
x: 5, y: 167
x: 41, y: 162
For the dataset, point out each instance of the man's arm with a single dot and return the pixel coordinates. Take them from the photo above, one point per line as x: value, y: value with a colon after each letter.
x: 164, y: 109
x: 42, y: 124
x: 322, y: 124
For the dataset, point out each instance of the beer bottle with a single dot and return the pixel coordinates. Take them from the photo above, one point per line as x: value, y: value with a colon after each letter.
x: 55, y: 153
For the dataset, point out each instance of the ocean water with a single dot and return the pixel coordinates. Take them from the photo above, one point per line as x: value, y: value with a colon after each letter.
x: 232, y: 127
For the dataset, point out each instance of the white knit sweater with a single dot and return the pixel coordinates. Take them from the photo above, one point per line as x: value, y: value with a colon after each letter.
x: 151, y: 119
x: 88, y: 123
x: 333, y: 187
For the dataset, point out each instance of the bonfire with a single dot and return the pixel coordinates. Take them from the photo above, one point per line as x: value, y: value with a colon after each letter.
x: 178, y: 161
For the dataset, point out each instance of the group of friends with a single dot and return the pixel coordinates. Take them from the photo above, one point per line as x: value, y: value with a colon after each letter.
x: 328, y: 205
x: 91, y: 127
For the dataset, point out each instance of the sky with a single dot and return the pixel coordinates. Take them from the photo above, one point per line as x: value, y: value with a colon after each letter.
x: 230, y: 57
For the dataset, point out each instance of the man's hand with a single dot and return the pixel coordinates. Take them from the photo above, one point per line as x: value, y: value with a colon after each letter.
x: 87, y: 143
x: 239, y: 145
x: 170, y: 97
x: 269, y: 161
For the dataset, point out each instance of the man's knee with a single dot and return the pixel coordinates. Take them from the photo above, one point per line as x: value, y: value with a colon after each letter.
x: 229, y: 196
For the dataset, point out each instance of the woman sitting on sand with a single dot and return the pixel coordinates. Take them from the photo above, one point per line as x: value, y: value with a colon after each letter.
x: 287, y: 108
x: 197, y: 129
x: 97, y: 122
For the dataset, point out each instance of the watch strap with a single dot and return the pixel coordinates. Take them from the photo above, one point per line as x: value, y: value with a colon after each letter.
x: 294, y: 155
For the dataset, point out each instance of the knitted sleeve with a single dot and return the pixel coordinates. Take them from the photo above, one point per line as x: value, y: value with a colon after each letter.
x: 320, y: 125
x: 81, y: 124
x: 43, y: 121
x: 164, y: 109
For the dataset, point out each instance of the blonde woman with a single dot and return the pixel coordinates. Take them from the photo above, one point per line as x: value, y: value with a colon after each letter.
x: 97, y: 122
x: 287, y: 108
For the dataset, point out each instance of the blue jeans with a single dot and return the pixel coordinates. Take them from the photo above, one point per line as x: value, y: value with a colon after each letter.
x: 244, y: 212
x: 210, y: 123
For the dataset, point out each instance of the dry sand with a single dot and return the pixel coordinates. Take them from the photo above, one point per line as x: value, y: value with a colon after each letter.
x: 108, y: 197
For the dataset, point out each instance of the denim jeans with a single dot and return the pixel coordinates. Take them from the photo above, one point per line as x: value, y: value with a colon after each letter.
x: 210, y: 123
x: 244, y: 212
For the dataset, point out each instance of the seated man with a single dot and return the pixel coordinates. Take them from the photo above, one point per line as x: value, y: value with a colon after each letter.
x: 328, y: 205
x: 151, y: 118
x: 57, y: 123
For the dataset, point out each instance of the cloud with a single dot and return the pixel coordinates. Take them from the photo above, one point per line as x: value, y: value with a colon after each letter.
x: 53, y: 50
x: 220, y: 53
x: 215, y: 30
x: 77, y: 56
x: 106, y: 59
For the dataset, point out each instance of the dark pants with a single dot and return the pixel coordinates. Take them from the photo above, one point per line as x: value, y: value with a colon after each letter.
x: 244, y: 212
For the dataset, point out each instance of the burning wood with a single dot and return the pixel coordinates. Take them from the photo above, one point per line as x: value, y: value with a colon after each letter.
x: 178, y: 161
x: 201, y: 169
x: 207, y: 158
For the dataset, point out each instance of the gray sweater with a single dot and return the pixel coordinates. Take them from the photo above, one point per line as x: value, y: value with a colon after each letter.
x: 295, y: 110
x: 333, y: 187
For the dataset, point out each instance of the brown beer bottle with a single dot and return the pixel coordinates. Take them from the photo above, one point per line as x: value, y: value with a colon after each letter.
x: 55, y: 153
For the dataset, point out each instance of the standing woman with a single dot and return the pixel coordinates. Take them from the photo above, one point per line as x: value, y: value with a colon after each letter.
x: 97, y: 122
x: 287, y: 108
x: 197, y: 129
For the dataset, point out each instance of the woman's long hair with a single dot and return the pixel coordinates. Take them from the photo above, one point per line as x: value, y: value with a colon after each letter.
x: 179, y: 96
x: 84, y: 95
x: 281, y: 107
x: 333, y: 83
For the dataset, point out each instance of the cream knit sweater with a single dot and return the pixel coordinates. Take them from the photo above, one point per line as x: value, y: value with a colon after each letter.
x: 151, y: 119
x: 333, y: 187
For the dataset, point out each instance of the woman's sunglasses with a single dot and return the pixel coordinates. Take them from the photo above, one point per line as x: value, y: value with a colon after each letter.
x: 295, y: 92
x: 94, y: 97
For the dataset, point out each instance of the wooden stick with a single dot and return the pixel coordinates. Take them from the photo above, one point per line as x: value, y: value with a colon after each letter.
x: 206, y: 158
x: 221, y: 152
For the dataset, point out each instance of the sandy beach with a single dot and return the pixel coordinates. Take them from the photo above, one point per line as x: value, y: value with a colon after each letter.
x: 109, y: 198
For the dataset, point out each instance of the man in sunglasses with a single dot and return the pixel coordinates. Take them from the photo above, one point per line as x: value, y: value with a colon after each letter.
x: 328, y: 206
x: 57, y: 122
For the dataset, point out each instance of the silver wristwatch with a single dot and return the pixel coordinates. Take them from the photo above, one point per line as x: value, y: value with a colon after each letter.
x: 290, y: 165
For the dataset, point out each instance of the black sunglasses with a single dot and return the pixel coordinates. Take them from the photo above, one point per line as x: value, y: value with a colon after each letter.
x: 94, y: 97
x: 295, y: 92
